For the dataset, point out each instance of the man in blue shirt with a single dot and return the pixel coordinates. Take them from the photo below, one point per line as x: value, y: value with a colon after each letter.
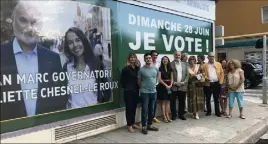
x: 147, y: 79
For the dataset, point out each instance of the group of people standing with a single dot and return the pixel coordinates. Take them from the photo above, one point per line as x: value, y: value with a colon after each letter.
x: 183, y: 78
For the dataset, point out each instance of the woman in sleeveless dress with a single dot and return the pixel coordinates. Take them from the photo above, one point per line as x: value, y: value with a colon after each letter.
x: 195, y: 88
x: 164, y: 88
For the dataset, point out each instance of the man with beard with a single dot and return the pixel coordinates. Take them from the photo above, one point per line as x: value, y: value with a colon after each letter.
x: 23, y: 56
x: 179, y: 89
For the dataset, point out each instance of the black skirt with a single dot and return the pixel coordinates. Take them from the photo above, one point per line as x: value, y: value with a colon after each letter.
x: 162, y: 93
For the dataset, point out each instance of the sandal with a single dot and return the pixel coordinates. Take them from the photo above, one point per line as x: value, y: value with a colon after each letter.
x: 229, y: 116
x: 225, y: 114
x: 242, y: 117
x: 169, y: 120
x: 165, y: 120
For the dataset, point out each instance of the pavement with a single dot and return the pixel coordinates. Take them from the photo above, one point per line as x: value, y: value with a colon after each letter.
x: 210, y: 129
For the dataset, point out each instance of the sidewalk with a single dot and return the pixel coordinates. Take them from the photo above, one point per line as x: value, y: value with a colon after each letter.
x: 206, y: 130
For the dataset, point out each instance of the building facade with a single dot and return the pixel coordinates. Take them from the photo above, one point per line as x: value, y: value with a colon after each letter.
x: 240, y: 17
x: 126, y: 26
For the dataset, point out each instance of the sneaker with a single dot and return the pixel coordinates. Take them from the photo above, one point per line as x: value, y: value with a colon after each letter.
x: 130, y: 129
x: 137, y: 126
x: 156, y: 120
x: 144, y: 131
x: 151, y: 128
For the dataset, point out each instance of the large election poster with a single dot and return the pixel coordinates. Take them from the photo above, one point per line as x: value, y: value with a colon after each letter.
x: 143, y: 30
x: 55, y: 55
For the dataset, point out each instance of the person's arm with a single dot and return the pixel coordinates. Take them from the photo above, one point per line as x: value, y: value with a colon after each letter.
x: 242, y: 79
x: 160, y: 79
x: 206, y: 72
x: 157, y: 75
x: 202, y: 72
x: 221, y: 74
x: 139, y: 78
x: 171, y: 79
x: 186, y: 76
x: 123, y: 78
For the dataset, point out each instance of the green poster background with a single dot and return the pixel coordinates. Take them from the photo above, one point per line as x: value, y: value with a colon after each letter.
x: 122, y: 33
x: 128, y: 32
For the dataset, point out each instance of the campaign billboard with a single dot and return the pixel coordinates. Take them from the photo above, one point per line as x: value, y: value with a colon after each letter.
x: 144, y: 30
x: 55, y: 55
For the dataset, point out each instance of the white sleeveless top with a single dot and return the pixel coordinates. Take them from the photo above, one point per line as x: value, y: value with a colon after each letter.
x: 233, y: 80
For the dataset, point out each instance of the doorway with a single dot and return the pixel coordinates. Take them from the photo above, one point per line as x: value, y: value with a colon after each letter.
x: 222, y: 56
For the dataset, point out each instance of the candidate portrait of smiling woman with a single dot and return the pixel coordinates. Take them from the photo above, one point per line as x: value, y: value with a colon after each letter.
x: 81, y: 58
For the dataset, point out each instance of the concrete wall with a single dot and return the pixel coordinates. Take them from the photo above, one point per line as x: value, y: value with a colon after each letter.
x: 240, y: 16
x: 48, y: 136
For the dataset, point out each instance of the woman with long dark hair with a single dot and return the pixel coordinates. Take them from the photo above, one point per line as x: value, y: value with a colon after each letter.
x: 82, y: 59
x: 129, y: 82
x: 164, y: 88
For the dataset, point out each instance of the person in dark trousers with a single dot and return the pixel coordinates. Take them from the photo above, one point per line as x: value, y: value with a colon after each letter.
x: 179, y: 89
x: 154, y: 55
x: 147, y: 79
x: 214, y: 76
x: 129, y: 83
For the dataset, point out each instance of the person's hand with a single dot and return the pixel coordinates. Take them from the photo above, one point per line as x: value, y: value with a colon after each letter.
x: 236, y: 87
x: 193, y: 75
x: 167, y: 87
x: 232, y: 88
x: 180, y: 83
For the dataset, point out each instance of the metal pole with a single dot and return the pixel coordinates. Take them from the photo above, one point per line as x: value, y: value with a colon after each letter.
x: 264, y: 87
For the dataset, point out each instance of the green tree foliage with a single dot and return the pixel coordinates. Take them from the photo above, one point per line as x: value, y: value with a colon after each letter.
x: 7, y: 7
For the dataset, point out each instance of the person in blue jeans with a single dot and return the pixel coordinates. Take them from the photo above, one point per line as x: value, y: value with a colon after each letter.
x: 236, y: 88
x: 147, y: 79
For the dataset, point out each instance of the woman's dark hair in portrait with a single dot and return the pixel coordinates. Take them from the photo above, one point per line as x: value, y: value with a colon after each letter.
x: 101, y: 57
x: 162, y: 67
x: 90, y: 59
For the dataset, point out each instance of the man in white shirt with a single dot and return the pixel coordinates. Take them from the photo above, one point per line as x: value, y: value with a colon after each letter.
x: 214, y: 78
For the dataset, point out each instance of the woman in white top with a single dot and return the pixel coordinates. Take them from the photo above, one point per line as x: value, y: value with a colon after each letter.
x: 235, y: 86
x: 82, y: 59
